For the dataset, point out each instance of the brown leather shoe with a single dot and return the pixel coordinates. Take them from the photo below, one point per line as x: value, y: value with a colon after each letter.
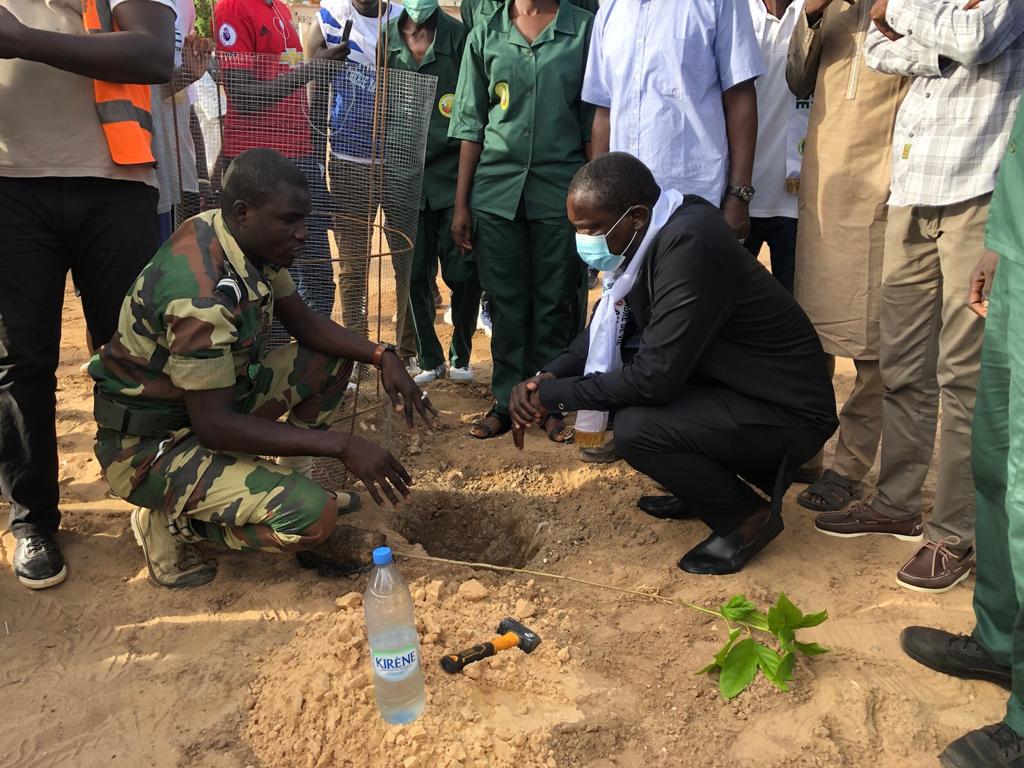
x: 935, y: 568
x: 862, y: 520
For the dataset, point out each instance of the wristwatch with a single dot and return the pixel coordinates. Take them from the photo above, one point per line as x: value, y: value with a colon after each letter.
x: 746, y: 194
x: 378, y: 353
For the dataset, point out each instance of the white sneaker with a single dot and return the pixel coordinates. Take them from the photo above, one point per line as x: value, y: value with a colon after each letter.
x: 448, y: 316
x: 462, y: 375
x: 412, y: 366
x: 425, y: 377
x: 483, y: 322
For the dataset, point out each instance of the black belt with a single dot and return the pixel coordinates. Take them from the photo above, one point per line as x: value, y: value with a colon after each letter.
x: 111, y: 414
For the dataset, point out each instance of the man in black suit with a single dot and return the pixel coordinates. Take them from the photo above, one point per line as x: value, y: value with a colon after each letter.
x: 715, y: 377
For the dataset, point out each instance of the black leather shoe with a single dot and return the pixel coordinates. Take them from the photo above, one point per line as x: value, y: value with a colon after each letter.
x: 956, y: 655
x: 665, y: 508
x: 994, y: 746
x: 719, y: 555
x: 38, y: 562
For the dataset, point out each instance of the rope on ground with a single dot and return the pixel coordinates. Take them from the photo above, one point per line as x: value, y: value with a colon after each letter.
x: 558, y: 577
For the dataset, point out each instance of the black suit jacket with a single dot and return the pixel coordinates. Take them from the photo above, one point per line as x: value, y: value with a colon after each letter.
x: 706, y: 313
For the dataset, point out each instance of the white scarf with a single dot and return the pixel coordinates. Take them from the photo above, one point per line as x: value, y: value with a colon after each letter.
x: 609, y: 322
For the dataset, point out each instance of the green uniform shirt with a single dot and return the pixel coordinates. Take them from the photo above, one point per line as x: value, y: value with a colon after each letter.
x: 442, y: 60
x: 1005, y: 230
x: 475, y: 11
x: 183, y: 325
x: 522, y: 102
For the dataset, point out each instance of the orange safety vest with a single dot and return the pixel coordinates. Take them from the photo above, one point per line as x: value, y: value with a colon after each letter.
x: 123, y: 108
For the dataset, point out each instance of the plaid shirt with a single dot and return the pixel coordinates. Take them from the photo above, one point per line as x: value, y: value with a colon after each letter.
x: 968, y: 69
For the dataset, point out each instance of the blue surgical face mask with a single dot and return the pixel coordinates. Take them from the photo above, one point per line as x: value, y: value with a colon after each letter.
x: 420, y: 10
x: 594, y: 250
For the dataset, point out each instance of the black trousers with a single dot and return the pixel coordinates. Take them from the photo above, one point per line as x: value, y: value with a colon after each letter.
x: 780, y: 234
x: 706, y: 443
x: 104, y: 231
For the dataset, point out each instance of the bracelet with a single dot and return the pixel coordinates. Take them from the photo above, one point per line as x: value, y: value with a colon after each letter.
x: 378, y: 353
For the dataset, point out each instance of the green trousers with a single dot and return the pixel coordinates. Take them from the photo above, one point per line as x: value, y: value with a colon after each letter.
x: 997, y: 456
x: 434, y: 243
x: 532, y: 274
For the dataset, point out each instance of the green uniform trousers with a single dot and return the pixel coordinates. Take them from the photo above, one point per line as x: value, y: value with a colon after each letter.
x: 997, y: 458
x: 532, y: 274
x: 238, y: 500
x: 433, y: 243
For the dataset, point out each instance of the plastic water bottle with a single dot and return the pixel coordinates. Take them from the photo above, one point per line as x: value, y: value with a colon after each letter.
x: 394, y: 644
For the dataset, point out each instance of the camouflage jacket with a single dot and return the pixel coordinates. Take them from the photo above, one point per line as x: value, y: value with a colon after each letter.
x: 198, y: 317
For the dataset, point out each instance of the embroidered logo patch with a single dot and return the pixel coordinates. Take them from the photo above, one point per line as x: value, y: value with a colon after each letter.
x: 501, y: 91
x: 444, y: 106
x: 291, y: 58
x: 227, y: 35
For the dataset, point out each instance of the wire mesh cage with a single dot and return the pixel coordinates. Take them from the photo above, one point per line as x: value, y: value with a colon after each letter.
x: 358, y: 134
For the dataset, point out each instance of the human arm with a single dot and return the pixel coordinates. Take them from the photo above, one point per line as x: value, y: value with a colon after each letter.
x: 982, y: 279
x: 468, y: 121
x: 141, y: 51
x: 195, y: 61
x: 902, y: 56
x: 219, y: 427
x: 804, y: 54
x: 973, y: 34
x: 694, y: 288
x: 740, y: 105
x: 601, y: 133
x: 321, y: 334
x: 462, y: 215
x: 586, y: 109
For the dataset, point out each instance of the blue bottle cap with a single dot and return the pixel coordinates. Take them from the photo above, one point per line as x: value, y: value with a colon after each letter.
x: 382, y: 556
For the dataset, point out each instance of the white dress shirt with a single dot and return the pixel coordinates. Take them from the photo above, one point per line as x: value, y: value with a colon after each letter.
x: 660, y: 66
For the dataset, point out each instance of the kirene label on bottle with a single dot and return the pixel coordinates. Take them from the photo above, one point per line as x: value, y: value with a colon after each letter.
x: 395, y: 663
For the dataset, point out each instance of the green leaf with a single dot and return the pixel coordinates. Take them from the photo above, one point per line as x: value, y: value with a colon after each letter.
x: 784, y: 615
x: 811, y: 649
x: 786, y: 669
x: 722, y: 652
x: 738, y: 668
x: 812, y: 620
x: 738, y: 608
x: 787, y: 639
x: 758, y: 620
x: 771, y: 664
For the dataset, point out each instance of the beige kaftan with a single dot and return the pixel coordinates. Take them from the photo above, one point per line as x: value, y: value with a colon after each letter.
x: 844, y: 179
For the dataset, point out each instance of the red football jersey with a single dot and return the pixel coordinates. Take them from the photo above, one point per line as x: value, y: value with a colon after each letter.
x: 246, y: 27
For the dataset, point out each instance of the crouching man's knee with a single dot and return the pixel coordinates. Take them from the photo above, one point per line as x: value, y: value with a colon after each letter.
x: 306, y: 517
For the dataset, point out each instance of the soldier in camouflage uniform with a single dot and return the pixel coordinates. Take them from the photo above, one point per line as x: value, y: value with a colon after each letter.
x: 187, y: 396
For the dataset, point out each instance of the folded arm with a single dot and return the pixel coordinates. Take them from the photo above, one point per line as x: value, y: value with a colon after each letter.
x: 943, y: 27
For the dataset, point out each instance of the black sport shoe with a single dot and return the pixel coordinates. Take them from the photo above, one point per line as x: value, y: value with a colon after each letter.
x: 994, y: 746
x: 956, y: 655
x: 38, y: 562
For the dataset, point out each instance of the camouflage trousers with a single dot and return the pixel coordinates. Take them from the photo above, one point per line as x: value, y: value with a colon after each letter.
x: 238, y: 500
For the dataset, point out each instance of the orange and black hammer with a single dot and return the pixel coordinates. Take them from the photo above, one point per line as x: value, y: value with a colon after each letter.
x: 511, y: 634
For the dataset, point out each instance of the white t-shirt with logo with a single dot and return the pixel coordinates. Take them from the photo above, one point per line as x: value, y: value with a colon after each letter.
x: 781, y: 116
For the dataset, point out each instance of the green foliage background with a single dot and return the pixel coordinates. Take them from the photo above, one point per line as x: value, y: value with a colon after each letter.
x: 204, y: 18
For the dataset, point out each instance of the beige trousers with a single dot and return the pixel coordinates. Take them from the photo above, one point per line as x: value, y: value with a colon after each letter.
x: 860, y: 425
x: 930, y: 356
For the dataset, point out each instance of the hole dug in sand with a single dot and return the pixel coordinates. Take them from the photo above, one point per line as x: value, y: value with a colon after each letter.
x: 462, y: 526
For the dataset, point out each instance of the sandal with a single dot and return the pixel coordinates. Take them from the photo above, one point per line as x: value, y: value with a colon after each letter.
x: 831, y: 493
x: 559, y: 433
x: 481, y: 429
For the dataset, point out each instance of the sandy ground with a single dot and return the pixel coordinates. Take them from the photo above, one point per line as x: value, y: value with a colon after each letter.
x: 262, y: 668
